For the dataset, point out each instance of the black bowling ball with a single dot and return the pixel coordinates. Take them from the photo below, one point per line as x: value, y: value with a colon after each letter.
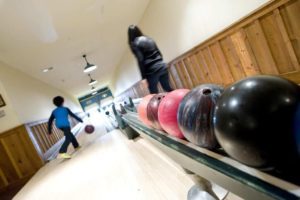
x: 257, y: 122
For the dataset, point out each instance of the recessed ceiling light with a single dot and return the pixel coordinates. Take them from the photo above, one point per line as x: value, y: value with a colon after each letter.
x: 47, y: 69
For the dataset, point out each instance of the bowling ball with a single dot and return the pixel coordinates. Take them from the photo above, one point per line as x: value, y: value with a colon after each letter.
x: 167, y: 112
x: 256, y: 122
x: 142, y: 109
x: 89, y: 129
x: 152, y: 110
x: 195, y: 115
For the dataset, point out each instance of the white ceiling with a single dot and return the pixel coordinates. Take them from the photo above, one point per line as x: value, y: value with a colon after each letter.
x: 36, y: 34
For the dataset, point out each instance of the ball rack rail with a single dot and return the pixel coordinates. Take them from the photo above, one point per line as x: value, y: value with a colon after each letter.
x: 246, y: 182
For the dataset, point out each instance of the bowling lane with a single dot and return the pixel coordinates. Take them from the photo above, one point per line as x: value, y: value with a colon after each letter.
x: 109, y: 167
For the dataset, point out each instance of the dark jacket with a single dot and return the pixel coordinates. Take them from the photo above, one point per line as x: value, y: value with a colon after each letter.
x: 149, y: 58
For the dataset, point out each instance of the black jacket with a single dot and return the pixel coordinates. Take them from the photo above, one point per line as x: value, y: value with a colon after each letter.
x: 149, y: 58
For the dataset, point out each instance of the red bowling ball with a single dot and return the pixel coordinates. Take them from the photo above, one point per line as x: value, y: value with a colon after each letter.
x: 167, y: 112
x: 89, y: 129
x: 142, y: 109
x: 152, y: 110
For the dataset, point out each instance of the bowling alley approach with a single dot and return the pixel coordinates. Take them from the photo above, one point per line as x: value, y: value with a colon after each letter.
x: 150, y: 99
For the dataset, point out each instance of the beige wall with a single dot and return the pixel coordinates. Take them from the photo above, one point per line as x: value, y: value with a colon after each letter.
x: 10, y: 119
x: 28, y: 99
x: 179, y: 25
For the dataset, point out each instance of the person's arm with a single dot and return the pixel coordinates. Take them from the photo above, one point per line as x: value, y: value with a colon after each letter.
x: 140, y: 58
x: 74, y: 116
x: 50, y: 121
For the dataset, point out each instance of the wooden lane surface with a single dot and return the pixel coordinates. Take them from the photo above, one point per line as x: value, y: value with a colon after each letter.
x: 110, y: 167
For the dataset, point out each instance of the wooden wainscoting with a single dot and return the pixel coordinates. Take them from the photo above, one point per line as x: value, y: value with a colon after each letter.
x: 18, y: 158
x: 46, y: 145
x: 43, y: 142
x: 265, y: 42
x: 24, y: 150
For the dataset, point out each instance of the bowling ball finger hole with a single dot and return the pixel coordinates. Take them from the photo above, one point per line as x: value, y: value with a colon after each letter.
x: 206, y: 92
x: 159, y: 98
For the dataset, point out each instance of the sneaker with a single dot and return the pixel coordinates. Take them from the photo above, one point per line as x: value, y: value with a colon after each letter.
x: 77, y: 148
x: 64, y: 156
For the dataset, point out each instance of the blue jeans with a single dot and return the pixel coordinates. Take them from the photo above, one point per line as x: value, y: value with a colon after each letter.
x: 69, y: 138
x: 163, y: 78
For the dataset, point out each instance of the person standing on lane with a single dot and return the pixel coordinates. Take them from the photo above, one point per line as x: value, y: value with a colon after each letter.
x: 150, y: 60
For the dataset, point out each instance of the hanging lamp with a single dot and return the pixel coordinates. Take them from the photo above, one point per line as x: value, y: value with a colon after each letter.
x: 92, y: 81
x: 93, y: 89
x: 89, y: 67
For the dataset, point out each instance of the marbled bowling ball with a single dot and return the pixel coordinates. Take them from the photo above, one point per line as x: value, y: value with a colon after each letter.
x: 195, y: 115
x: 257, y: 122
x: 152, y: 110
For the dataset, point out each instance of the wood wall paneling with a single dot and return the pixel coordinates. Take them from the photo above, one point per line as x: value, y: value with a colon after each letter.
x: 19, y: 158
x: 265, y: 42
x: 30, y: 152
x: 184, y: 77
x: 293, y: 76
x: 291, y: 15
x: 261, y: 48
x: 3, y: 179
x: 6, y: 165
x: 286, y: 39
x: 186, y: 74
x: 245, y: 53
x: 11, y: 156
x: 23, y: 152
x: 221, y: 63
x: 176, y: 77
x: 191, y: 71
x: 211, y: 66
x: 276, y: 44
x: 198, y: 70
x: 232, y: 59
x: 16, y: 151
x: 203, y: 68
x: 172, y: 81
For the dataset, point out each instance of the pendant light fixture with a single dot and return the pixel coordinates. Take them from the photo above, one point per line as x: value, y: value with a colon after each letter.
x: 89, y: 67
x: 93, y: 89
x: 92, y: 81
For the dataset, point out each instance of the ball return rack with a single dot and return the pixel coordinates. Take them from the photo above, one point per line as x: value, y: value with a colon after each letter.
x: 246, y: 182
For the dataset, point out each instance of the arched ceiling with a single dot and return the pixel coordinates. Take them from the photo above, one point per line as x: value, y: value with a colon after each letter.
x: 37, y: 34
